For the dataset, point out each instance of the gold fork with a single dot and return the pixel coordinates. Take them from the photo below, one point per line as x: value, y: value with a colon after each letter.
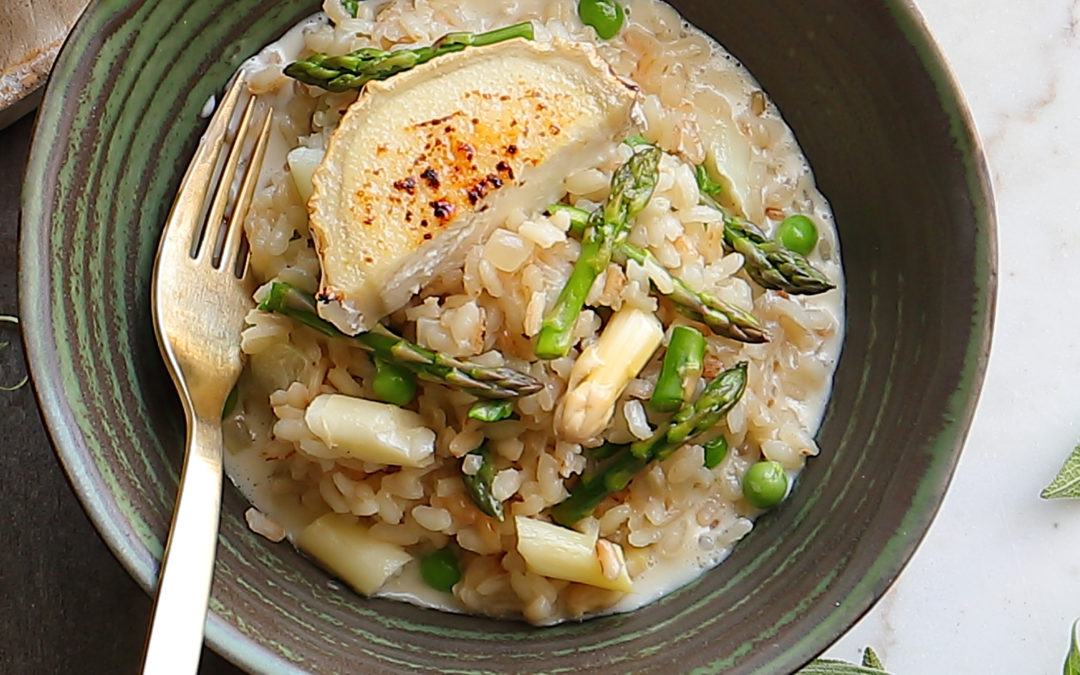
x: 201, y: 293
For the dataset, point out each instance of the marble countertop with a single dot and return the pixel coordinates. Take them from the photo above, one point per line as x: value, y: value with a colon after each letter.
x: 995, y: 585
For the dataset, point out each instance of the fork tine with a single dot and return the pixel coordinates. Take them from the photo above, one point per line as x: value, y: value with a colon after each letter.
x: 194, y: 187
x: 235, y: 227
x: 214, y: 218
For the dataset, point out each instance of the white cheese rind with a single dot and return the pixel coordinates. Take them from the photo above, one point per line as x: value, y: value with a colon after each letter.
x: 436, y: 157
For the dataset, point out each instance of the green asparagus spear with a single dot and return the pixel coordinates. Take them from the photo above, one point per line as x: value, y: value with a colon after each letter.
x: 766, y: 262
x: 723, y: 318
x: 492, y: 410
x: 770, y: 264
x: 715, y: 452
x: 355, y: 69
x: 478, y: 485
x: 579, y: 218
x: 482, y: 381
x: 679, y: 373
x: 692, y: 420
x: 587, y: 495
x: 706, y: 185
x: 604, y: 451
x: 631, y: 188
x: 393, y: 383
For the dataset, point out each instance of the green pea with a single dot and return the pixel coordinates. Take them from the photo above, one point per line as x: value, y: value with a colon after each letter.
x: 392, y: 383
x: 605, y: 16
x: 765, y: 484
x: 797, y: 233
x: 715, y: 452
x: 440, y: 570
x: 680, y: 371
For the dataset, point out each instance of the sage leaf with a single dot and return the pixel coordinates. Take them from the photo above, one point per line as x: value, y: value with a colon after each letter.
x: 871, y: 665
x: 833, y: 667
x: 870, y: 659
x: 1067, y: 483
x: 1072, y: 661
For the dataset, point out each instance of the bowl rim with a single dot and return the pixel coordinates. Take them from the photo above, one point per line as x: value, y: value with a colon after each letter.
x: 75, y: 454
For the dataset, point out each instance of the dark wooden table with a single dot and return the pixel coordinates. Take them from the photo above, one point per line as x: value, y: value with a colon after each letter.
x: 66, y: 604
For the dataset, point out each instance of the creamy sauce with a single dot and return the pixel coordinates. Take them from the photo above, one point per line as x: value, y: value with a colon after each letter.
x: 702, y: 547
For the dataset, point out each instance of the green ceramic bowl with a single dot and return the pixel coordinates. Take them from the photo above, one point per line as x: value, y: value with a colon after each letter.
x: 869, y: 98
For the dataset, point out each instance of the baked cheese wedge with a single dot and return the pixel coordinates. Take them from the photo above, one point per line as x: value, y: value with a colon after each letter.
x: 435, y: 158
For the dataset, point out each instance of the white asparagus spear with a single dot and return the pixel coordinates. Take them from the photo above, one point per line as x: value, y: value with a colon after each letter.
x: 370, y: 431
x: 561, y: 553
x: 603, y: 370
x: 344, y: 547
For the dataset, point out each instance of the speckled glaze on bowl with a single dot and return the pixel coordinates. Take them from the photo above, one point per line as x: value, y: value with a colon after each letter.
x: 877, y: 113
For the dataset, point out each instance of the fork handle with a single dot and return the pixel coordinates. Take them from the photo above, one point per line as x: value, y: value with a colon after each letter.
x: 174, y: 644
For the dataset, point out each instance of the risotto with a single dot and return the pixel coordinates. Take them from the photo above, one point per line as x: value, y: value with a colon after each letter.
x: 493, y: 444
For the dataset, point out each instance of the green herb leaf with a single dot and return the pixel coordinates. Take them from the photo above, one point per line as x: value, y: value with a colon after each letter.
x: 493, y: 410
x: 833, y: 667
x: 871, y: 665
x: 870, y: 659
x: 636, y: 140
x: 351, y: 6
x: 1072, y: 661
x: 1067, y: 483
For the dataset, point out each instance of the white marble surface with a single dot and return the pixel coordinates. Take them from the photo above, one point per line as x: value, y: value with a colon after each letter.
x: 995, y: 586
